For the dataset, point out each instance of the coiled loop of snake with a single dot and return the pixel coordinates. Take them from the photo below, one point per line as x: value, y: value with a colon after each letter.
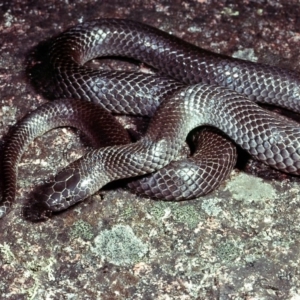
x: 205, y: 103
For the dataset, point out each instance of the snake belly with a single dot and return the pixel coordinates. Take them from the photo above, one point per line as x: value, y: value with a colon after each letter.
x: 218, y: 93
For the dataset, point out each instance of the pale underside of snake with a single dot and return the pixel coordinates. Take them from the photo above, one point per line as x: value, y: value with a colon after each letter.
x: 199, y: 87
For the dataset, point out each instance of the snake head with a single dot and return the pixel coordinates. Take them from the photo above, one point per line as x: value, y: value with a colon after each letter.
x: 66, y: 189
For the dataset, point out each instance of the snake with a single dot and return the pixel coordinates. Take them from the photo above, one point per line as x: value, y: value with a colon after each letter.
x: 213, y: 90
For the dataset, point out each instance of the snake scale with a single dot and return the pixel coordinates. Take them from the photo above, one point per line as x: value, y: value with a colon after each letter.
x: 200, y: 87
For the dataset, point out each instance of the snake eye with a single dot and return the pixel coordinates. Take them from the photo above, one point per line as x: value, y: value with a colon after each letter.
x: 68, y: 199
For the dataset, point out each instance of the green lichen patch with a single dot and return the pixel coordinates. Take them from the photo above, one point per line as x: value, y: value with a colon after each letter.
x: 210, y: 206
x: 253, y: 188
x: 230, y: 12
x: 181, y: 213
x: 187, y: 214
x: 119, y: 246
x: 247, y: 53
x: 159, y: 209
x: 82, y: 229
x: 228, y: 251
x: 6, y: 253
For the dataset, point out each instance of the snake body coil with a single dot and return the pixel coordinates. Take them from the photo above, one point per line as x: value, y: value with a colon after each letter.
x: 218, y: 95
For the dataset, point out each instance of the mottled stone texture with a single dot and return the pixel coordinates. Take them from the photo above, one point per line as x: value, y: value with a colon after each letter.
x: 240, y: 242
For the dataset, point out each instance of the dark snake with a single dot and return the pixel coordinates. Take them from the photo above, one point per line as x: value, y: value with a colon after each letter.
x: 219, y: 92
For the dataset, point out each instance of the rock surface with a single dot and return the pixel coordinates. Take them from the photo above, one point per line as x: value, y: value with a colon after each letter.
x: 240, y: 242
